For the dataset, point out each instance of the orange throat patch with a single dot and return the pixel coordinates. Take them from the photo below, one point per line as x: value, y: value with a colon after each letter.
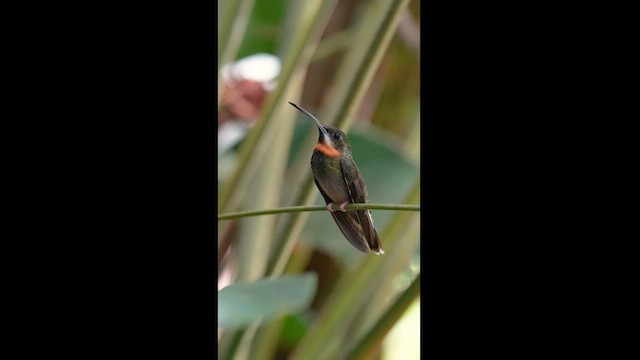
x: 327, y: 150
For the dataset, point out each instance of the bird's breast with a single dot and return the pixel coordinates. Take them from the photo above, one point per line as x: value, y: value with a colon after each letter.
x: 328, y: 174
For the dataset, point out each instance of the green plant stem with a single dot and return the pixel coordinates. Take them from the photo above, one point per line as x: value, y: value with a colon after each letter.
x: 386, y: 322
x: 372, y: 36
x: 335, y: 207
x: 291, y: 229
x: 231, y: 28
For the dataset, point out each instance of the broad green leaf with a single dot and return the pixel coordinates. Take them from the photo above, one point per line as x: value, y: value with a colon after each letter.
x: 242, y: 303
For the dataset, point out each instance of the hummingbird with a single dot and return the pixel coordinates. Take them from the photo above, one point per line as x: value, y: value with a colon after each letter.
x: 339, y: 181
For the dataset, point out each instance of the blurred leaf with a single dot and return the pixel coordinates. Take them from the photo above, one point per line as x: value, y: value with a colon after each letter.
x: 243, y: 303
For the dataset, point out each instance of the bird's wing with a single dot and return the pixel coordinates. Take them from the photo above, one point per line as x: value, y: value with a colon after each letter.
x: 358, y: 194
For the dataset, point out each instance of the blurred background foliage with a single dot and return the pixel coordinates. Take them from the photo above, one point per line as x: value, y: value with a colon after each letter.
x: 355, y: 65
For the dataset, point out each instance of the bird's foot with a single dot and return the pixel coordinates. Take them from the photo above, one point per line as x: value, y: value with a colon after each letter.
x: 342, y: 206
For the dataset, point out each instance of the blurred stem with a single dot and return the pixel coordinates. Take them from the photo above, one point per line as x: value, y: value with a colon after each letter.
x: 386, y: 322
x: 333, y: 44
x: 229, y: 342
x: 264, y: 192
x: 292, y: 227
x: 312, y: 20
x: 243, y: 351
x: 412, y: 142
x: 266, y: 341
x: 232, y: 25
x: 377, y: 25
x: 335, y: 207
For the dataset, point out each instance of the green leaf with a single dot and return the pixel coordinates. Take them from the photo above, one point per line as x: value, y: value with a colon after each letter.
x: 241, y: 304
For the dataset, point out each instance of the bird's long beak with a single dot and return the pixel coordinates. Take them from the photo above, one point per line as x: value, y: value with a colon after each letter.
x: 325, y: 134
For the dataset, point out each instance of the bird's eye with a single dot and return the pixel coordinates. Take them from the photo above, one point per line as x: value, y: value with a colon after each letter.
x: 336, y: 135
